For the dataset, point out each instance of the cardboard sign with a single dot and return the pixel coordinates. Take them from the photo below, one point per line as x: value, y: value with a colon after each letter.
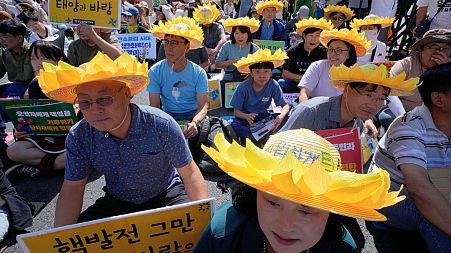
x: 96, y: 13
x: 229, y: 91
x: 139, y: 44
x: 347, y: 142
x: 270, y: 44
x: 214, y: 94
x: 40, y: 116
x: 168, y: 229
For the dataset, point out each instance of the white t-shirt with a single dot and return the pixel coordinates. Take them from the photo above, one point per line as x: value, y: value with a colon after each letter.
x: 384, y: 8
x: 442, y: 20
x: 379, y: 55
x: 317, y: 80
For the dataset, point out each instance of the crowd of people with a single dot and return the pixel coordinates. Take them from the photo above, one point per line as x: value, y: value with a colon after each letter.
x: 334, y: 59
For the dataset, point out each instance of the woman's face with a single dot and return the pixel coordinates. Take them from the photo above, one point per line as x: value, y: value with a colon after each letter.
x: 337, y: 52
x: 337, y: 19
x: 37, y: 59
x: 159, y: 15
x: 240, y: 37
x: 289, y: 227
x: 35, y: 26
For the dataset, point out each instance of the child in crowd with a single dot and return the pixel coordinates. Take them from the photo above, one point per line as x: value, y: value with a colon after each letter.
x: 254, y: 95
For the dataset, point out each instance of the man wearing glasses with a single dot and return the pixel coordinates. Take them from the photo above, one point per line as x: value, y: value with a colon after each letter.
x: 178, y: 83
x: 416, y: 151
x: 139, y: 150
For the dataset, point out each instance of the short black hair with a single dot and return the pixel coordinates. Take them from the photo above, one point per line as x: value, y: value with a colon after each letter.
x: 435, y: 79
x: 13, y: 27
x: 30, y: 17
x: 47, y: 49
x: 243, y: 29
x: 352, y: 53
x: 367, y: 86
x: 311, y: 30
x: 262, y: 65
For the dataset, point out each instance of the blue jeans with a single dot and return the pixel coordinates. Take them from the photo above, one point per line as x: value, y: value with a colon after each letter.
x: 288, y: 86
x: 4, y: 222
x: 405, y: 216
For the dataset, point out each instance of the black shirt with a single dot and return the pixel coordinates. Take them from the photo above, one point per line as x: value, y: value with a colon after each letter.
x: 299, y: 60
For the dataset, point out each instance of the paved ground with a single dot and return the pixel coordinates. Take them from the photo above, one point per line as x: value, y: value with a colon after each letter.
x: 45, y: 190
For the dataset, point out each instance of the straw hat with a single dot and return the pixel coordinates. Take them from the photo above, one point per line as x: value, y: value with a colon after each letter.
x: 59, y: 82
x: 340, y: 9
x: 372, y: 20
x: 206, y: 14
x: 252, y: 23
x: 300, y: 166
x: 354, y: 37
x: 261, y: 55
x: 261, y: 6
x: 321, y: 23
x: 371, y: 73
x: 180, y: 26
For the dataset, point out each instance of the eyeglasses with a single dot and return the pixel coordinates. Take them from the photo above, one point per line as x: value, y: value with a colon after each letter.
x: 101, y: 101
x: 337, y: 18
x: 371, y: 97
x: 437, y: 48
x: 173, y: 43
x: 336, y: 50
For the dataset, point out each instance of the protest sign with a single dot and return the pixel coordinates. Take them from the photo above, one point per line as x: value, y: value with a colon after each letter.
x: 229, y: 91
x: 168, y: 229
x: 262, y: 128
x: 214, y: 94
x: 270, y: 44
x: 40, y: 116
x: 97, y: 13
x: 139, y: 44
x: 347, y: 142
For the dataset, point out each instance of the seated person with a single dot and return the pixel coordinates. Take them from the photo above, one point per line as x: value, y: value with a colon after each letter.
x: 116, y: 134
x: 47, y: 153
x: 416, y: 146
x: 253, y: 97
x: 132, y: 16
x: 179, y: 83
x: 291, y: 205
x: 198, y: 56
x: 303, y: 54
x: 339, y: 15
x: 270, y: 27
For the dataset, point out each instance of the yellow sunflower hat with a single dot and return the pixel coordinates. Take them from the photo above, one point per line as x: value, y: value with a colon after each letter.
x: 338, y: 8
x: 321, y: 23
x: 206, y: 14
x: 59, y: 82
x: 372, y: 20
x: 261, y: 6
x: 354, y: 37
x: 300, y: 166
x: 180, y: 26
x: 261, y: 55
x: 375, y: 74
x: 252, y: 23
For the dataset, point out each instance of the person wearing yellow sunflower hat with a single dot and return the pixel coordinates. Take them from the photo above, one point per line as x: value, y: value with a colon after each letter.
x: 290, y: 201
x: 140, y: 150
x: 365, y: 91
x: 343, y: 47
x: 214, y: 36
x: 339, y: 15
x: 253, y: 96
x: 303, y: 54
x: 270, y: 27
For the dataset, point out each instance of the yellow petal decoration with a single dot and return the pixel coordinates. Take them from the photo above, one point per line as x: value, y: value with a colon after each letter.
x: 261, y: 55
x: 374, y: 74
x: 338, y: 8
x: 252, y: 23
x: 372, y: 20
x: 180, y: 26
x: 59, y: 81
x: 312, y: 183
x: 206, y: 14
x: 261, y: 6
x: 353, y: 36
x: 321, y: 23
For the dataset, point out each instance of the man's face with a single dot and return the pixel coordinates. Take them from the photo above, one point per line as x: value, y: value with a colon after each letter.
x: 103, y: 103
x: 269, y: 14
x: 311, y: 40
x: 131, y: 20
x: 365, y: 102
x: 10, y: 41
x: 35, y: 26
x: 175, y: 48
x: 261, y: 76
x: 435, y: 53
x: 337, y: 19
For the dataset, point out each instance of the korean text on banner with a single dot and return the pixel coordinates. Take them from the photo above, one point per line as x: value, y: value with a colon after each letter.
x: 270, y: 44
x: 97, y: 13
x: 168, y: 229
x: 141, y: 45
x: 347, y: 142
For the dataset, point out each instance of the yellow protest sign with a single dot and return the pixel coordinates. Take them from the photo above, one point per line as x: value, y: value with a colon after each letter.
x: 214, y: 94
x: 97, y: 13
x: 169, y: 229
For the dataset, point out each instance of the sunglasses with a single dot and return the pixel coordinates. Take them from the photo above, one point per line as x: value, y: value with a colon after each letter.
x: 101, y: 101
x: 337, y: 18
